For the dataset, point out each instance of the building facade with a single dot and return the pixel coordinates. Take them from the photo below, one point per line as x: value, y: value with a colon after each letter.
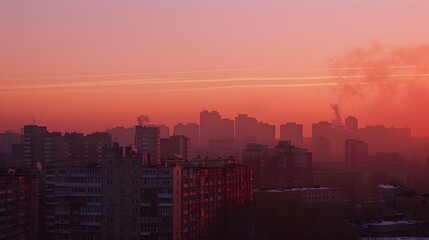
x: 18, y: 206
x: 126, y: 198
x: 282, y: 166
x: 356, y: 153
x: 148, y: 141
x: 293, y: 132
x: 176, y: 147
x: 73, y: 203
x: 303, y: 196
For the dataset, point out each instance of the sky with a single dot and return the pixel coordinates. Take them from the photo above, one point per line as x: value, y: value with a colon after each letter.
x: 91, y: 65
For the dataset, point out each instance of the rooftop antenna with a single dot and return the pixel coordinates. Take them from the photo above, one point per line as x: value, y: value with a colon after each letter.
x: 33, y: 120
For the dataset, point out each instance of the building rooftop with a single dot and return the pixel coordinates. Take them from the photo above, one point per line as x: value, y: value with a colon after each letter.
x: 297, y: 189
x: 388, y: 186
x: 390, y: 221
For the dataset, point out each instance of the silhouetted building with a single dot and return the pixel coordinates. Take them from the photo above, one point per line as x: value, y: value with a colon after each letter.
x: 250, y: 130
x: 147, y: 141
x: 77, y: 147
x: 351, y: 181
x: 42, y: 148
x: 321, y: 148
x: 192, y: 131
x: 292, y: 132
x: 362, y: 183
x: 34, y: 146
x: 17, y: 155
x: 328, y: 141
x: 164, y: 131
x: 123, y: 136
x: 46, y: 149
x: 7, y: 139
x: 213, y: 127
x: 282, y: 166
x: 56, y: 150
x: 352, y: 124
x: 221, y: 148
x: 96, y: 142
x: 356, y: 153
x: 175, y: 147
x: 382, y: 139
x: 321, y: 141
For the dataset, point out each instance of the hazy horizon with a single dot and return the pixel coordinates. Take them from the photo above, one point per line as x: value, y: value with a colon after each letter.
x: 87, y: 66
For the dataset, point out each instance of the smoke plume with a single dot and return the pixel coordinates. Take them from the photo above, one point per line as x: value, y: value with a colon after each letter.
x: 379, y: 70
x: 390, y: 82
x: 142, y: 120
x: 337, y: 121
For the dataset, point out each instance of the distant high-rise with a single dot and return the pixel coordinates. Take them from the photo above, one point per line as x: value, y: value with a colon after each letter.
x: 213, y: 127
x: 352, y: 124
x: 34, y: 145
x: 7, y: 139
x: 148, y: 141
x: 77, y: 147
x: 221, y: 148
x: 86, y: 149
x: 292, y: 132
x: 356, y: 153
x: 8, y: 143
x: 123, y: 136
x: 250, y: 130
x: 226, y: 129
x: 383, y: 139
x: 321, y: 140
x: 56, y: 150
x: 245, y: 128
x: 164, y: 131
x: 192, y: 131
x: 175, y: 147
x: 282, y: 166
x: 96, y: 142
x: 42, y: 148
x: 322, y: 129
x: 328, y: 141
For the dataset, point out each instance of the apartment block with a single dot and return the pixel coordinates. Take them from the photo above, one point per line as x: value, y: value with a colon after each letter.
x: 18, y: 206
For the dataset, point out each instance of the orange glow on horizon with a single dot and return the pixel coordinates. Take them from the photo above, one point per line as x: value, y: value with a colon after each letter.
x: 80, y: 66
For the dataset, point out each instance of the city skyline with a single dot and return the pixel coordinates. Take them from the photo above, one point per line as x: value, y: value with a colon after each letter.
x: 276, y: 61
x: 214, y: 120
x: 340, y: 123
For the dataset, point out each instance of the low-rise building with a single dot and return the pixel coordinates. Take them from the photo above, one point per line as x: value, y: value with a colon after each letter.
x: 302, y: 196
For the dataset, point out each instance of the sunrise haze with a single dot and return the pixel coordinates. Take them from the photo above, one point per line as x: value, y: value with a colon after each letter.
x: 93, y: 65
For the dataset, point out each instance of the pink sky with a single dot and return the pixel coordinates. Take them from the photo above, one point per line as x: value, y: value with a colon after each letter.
x: 90, y: 65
